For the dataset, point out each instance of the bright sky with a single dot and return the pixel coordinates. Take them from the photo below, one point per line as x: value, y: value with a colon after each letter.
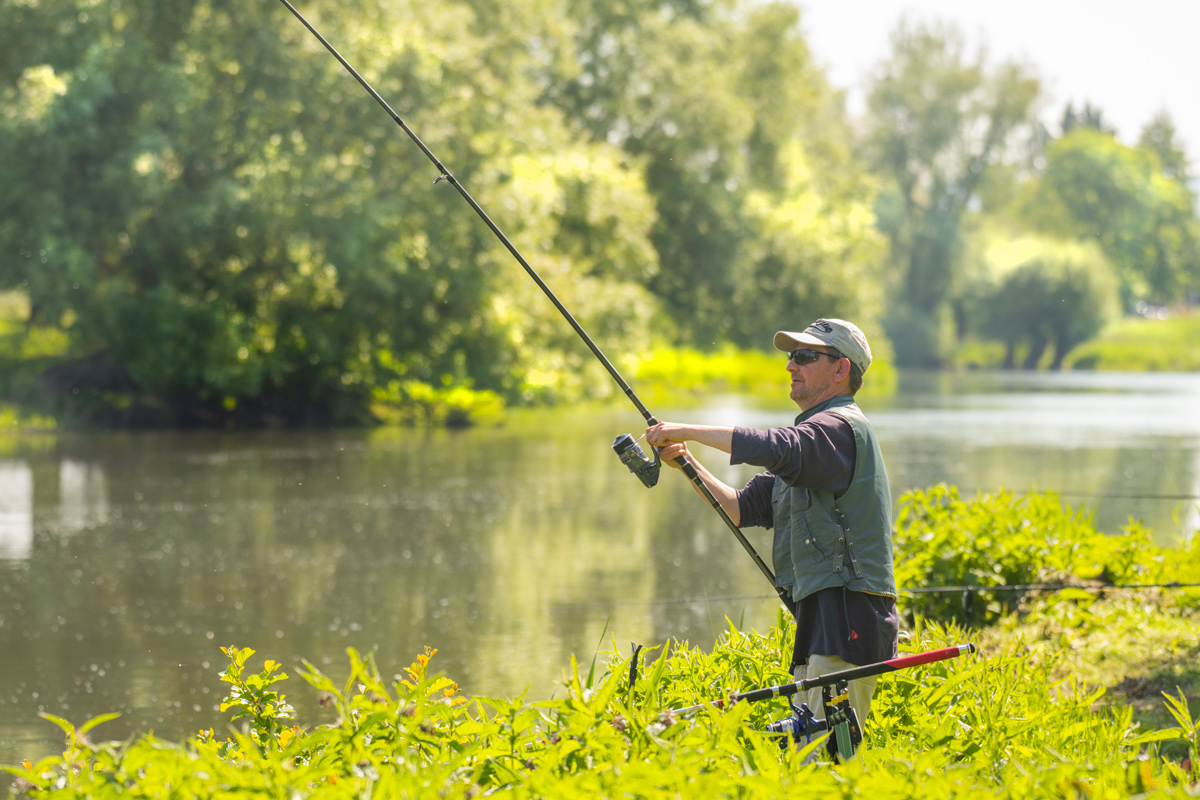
x: 1131, y: 59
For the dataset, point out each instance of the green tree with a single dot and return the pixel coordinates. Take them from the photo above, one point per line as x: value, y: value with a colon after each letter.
x: 1127, y: 200
x: 734, y: 122
x: 206, y: 201
x: 1035, y: 293
x: 1160, y: 136
x: 937, y: 118
x: 1087, y: 117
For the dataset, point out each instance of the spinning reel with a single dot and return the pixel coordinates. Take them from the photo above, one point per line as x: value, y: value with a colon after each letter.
x: 632, y: 456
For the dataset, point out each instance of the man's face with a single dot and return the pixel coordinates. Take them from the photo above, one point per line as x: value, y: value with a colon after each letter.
x: 814, y: 382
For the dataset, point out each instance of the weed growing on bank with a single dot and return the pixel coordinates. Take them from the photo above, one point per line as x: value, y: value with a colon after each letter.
x: 1037, y: 712
x: 998, y: 723
x: 672, y: 373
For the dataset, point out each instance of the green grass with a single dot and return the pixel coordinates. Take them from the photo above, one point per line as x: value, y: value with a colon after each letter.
x: 1131, y: 344
x: 1138, y: 344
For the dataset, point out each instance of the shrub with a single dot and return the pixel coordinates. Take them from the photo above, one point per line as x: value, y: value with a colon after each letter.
x: 1005, y: 540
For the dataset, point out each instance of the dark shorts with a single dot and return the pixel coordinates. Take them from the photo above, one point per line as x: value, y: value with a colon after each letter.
x: 856, y: 627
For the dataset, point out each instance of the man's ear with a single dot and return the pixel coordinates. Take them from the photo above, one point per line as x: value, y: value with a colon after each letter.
x: 843, y: 370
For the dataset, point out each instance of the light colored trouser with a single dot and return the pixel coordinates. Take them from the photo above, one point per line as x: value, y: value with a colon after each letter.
x: 861, y: 689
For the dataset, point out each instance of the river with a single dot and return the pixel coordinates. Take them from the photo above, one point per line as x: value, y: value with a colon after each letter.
x: 128, y: 559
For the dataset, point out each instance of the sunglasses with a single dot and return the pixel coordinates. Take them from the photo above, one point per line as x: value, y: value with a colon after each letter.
x: 802, y: 357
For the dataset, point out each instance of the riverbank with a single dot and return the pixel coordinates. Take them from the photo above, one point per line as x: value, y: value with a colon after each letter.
x: 1084, y: 692
x: 30, y: 401
x: 1139, y: 344
x: 1130, y: 344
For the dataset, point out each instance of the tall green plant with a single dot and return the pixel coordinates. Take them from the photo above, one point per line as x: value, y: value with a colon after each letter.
x: 995, y: 724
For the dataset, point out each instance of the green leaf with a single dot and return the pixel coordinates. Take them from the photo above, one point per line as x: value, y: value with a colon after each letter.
x: 940, y: 693
x: 99, y: 720
x: 1165, y: 735
x: 67, y: 727
x: 317, y: 679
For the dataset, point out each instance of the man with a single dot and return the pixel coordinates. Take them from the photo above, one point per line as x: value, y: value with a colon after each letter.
x: 826, y: 495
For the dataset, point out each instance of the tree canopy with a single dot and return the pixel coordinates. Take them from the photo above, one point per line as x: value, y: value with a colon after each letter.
x: 203, y: 198
x: 938, y: 117
x: 1130, y: 202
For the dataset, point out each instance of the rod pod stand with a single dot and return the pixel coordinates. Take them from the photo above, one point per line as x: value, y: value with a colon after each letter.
x: 840, y: 718
x: 688, y: 468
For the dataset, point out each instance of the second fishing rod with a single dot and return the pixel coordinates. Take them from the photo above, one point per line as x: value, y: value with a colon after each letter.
x: 626, y: 448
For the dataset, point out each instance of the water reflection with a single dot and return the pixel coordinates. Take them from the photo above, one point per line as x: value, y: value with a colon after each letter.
x: 127, y: 560
x: 16, y: 511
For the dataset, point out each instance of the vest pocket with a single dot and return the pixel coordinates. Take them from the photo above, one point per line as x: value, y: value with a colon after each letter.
x: 811, y: 541
x: 801, y: 504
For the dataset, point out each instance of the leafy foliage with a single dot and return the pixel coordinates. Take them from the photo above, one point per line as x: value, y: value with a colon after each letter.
x: 1004, y: 540
x: 226, y: 227
x: 1130, y: 201
x: 763, y: 212
x: 213, y: 206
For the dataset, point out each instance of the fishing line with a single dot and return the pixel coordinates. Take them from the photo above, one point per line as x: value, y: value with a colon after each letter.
x: 648, y: 471
x: 1047, y: 587
x: 1096, y: 495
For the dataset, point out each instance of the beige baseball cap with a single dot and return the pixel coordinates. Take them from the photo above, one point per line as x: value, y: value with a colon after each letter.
x: 845, y: 337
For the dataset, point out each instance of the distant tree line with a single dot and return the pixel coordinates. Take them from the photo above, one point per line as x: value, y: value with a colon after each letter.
x: 964, y: 163
x: 224, y: 225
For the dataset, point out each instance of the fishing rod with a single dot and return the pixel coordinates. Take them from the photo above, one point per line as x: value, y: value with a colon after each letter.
x: 854, y: 673
x: 840, y: 718
x: 626, y: 448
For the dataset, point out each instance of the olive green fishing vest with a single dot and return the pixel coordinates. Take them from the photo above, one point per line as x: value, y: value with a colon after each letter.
x: 821, y: 542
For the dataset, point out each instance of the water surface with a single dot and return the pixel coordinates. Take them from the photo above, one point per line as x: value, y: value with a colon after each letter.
x: 127, y: 560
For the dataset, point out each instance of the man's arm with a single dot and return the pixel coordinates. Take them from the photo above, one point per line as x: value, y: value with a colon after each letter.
x: 819, y: 453
x: 665, y: 433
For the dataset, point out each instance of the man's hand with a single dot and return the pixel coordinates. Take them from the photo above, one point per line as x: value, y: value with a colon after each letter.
x: 674, y: 454
x: 670, y: 438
